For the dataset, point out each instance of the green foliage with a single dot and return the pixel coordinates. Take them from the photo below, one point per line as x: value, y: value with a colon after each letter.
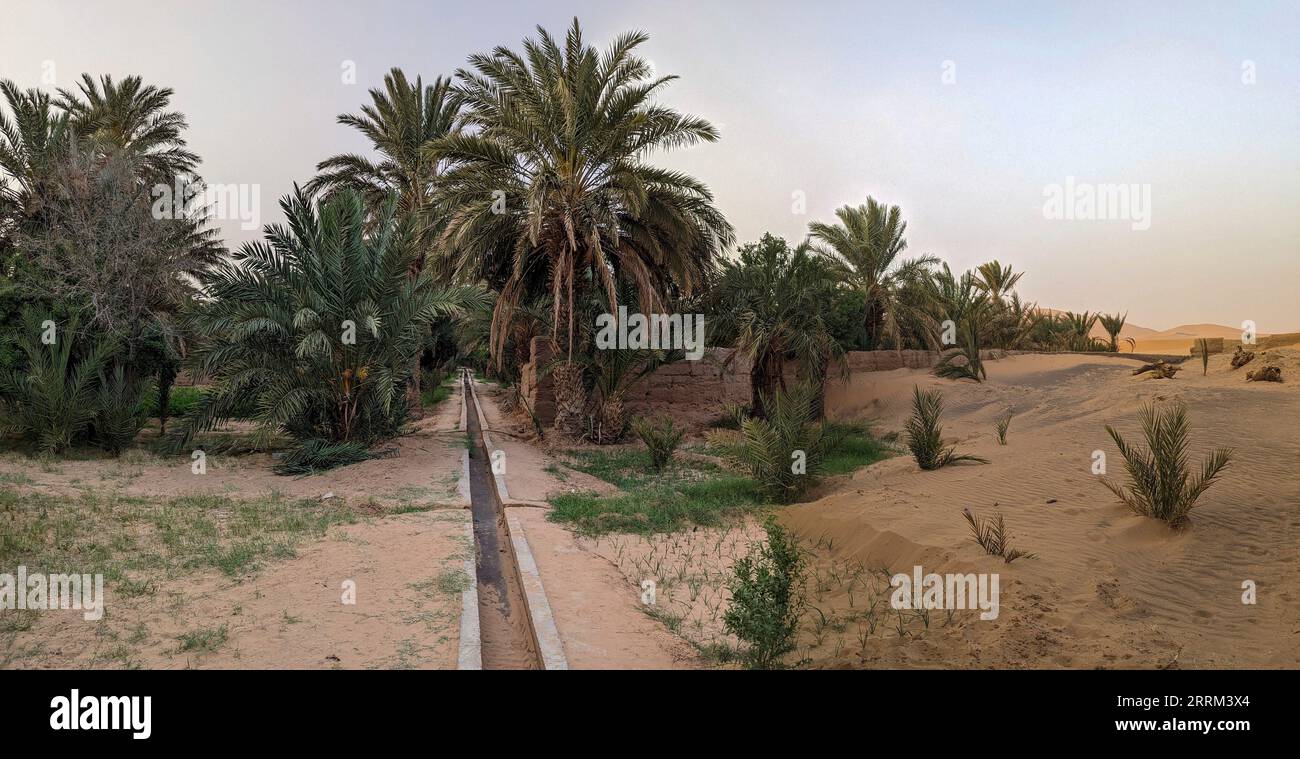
x: 123, y: 409
x: 769, y: 304
x: 1113, y: 323
x: 661, y: 436
x: 551, y: 186
x: 785, y: 452
x: 767, y: 598
x: 318, y: 455
x: 320, y: 325
x: 52, y: 401
x: 1161, y: 484
x: 971, y: 366
x: 1203, y: 346
x: 925, y: 434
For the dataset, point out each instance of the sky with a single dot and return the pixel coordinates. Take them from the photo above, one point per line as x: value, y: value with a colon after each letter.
x: 989, y: 124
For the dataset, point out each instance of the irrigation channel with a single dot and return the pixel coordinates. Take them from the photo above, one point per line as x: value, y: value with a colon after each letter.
x: 506, y: 628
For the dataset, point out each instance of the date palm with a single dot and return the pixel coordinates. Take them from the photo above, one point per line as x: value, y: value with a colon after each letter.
x: 1113, y: 323
x: 996, y: 280
x: 317, y: 325
x: 33, y: 139
x: 551, y: 189
x: 401, y: 122
x: 130, y: 119
x: 864, y: 249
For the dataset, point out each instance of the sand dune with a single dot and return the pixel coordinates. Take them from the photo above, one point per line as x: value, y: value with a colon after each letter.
x: 1108, y: 588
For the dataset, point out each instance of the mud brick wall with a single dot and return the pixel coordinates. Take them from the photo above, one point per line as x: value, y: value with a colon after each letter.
x: 705, y: 386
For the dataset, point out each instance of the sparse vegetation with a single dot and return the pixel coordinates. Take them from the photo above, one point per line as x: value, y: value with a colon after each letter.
x: 991, y: 535
x: 1161, y: 484
x: 925, y: 434
x: 1001, y: 426
x: 767, y: 598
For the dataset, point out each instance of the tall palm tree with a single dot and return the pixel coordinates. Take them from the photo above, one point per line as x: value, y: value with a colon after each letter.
x: 864, y: 249
x: 551, y: 189
x: 33, y: 139
x: 1113, y: 323
x: 401, y: 122
x: 130, y: 119
x: 769, y: 304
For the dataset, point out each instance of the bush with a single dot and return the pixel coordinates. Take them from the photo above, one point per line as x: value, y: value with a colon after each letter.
x: 123, y: 409
x: 767, y: 598
x: 52, y: 402
x: 786, y: 451
x: 661, y: 436
x: 925, y: 435
x: 1160, y: 483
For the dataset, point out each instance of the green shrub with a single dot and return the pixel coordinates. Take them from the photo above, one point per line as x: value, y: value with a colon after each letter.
x: 661, y: 436
x: 767, y: 598
x: 123, y: 409
x: 785, y: 452
x: 52, y: 402
x: 925, y: 434
x: 1161, y: 484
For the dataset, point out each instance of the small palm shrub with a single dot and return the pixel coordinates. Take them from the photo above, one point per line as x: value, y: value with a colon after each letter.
x: 52, y: 402
x: 1203, y: 346
x: 925, y: 434
x: 1001, y: 426
x: 767, y: 598
x: 1161, y: 484
x: 991, y: 535
x: 784, y: 452
x: 123, y: 409
x: 970, y: 366
x: 661, y: 436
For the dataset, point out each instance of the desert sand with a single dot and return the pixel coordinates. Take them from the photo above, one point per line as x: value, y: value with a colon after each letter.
x: 1107, y: 588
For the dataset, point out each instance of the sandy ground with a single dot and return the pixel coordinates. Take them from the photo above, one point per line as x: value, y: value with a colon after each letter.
x: 1108, y: 588
x: 597, y: 609
x: 406, y: 568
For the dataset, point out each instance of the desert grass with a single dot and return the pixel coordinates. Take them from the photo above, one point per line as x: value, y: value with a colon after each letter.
x: 925, y: 434
x: 1161, y: 484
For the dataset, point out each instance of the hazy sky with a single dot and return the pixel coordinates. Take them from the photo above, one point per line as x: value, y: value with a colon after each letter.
x: 963, y: 113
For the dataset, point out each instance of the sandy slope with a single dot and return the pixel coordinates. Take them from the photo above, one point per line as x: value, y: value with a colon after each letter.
x: 1108, y: 588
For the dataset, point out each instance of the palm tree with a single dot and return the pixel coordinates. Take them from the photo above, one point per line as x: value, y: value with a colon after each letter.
x: 996, y: 280
x: 317, y: 325
x: 131, y: 119
x: 33, y: 139
x: 863, y: 249
x: 401, y: 122
x: 769, y: 306
x: 1113, y: 323
x: 1078, y: 330
x: 550, y: 188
